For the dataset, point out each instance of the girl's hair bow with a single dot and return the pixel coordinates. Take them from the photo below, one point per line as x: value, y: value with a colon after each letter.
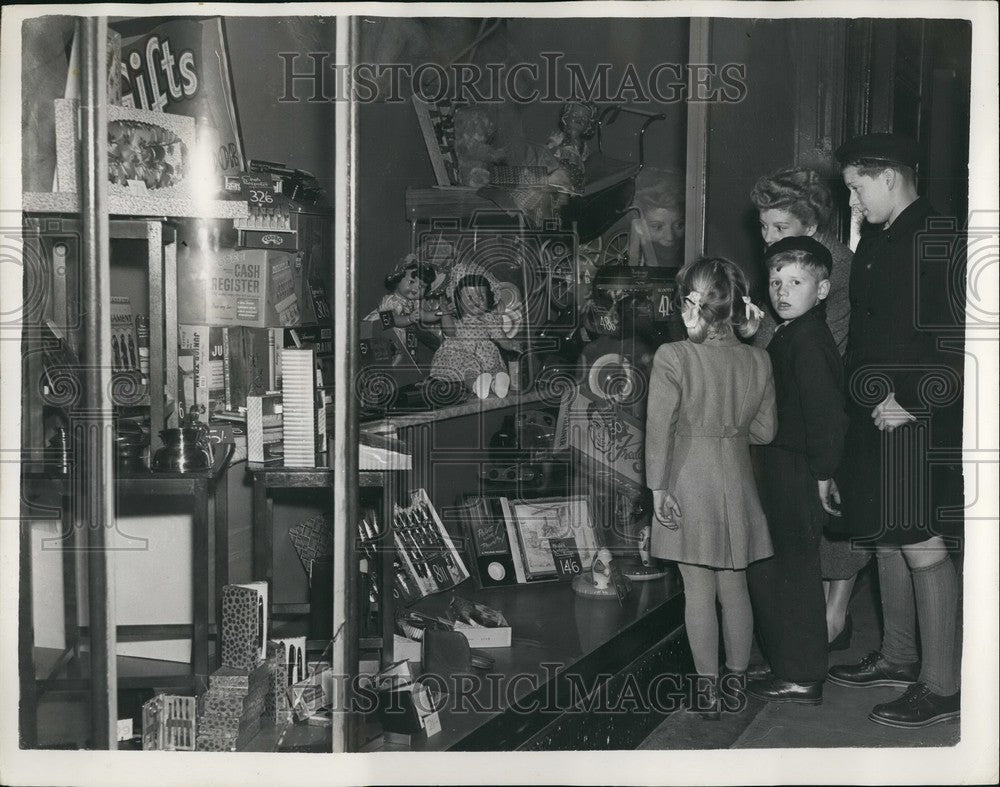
x: 753, y: 310
x: 692, y: 313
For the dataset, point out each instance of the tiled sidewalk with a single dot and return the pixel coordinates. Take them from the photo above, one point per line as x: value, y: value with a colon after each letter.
x: 841, y: 721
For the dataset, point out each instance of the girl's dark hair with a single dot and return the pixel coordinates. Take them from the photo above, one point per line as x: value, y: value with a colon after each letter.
x: 425, y: 273
x: 474, y: 280
x: 798, y: 190
x: 722, y: 285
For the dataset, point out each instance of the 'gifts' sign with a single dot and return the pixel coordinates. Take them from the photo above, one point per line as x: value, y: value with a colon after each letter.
x: 181, y: 66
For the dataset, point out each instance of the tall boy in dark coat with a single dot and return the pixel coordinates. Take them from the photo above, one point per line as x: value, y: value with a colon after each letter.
x: 903, y: 488
x: 797, y: 486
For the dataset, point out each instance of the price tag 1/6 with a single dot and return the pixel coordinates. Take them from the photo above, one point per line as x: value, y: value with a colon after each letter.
x: 257, y: 188
x: 566, y: 557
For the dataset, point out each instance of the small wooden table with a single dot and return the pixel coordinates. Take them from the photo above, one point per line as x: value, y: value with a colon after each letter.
x: 384, y: 482
x: 198, y: 487
x: 269, y: 477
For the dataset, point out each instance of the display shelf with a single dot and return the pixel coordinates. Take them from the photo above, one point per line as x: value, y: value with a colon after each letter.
x: 558, y: 637
x: 58, y: 675
x: 299, y: 737
x: 43, y: 234
x: 69, y: 202
x: 265, y: 479
x: 474, y: 406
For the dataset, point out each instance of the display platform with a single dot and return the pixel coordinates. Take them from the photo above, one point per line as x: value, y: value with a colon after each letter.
x: 562, y: 646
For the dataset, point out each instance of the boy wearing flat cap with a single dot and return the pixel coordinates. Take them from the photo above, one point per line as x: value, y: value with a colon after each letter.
x: 797, y: 469
x: 902, y: 486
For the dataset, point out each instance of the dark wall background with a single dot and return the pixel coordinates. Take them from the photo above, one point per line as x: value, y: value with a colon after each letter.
x: 299, y: 134
x: 392, y: 155
x: 750, y: 138
x: 918, y: 72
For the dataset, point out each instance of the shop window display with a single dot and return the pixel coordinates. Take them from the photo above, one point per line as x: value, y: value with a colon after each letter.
x: 513, y: 273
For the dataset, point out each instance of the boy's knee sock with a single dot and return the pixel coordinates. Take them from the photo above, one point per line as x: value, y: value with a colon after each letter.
x: 936, y: 591
x: 899, y: 644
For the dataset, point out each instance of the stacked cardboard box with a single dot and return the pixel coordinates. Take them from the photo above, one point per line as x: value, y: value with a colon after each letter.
x: 245, y: 614
x: 257, y: 288
x: 232, y: 707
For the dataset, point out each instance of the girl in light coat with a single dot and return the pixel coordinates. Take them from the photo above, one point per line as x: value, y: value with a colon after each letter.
x: 709, y: 398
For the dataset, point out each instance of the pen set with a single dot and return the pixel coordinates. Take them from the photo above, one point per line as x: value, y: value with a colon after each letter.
x: 426, y: 560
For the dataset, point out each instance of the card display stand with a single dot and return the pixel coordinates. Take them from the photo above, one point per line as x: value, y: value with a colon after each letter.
x: 293, y: 652
x: 425, y: 559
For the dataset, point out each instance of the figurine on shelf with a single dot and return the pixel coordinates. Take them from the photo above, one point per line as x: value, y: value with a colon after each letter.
x: 476, y: 146
x: 599, y: 582
x: 406, y: 304
x: 577, y: 124
x: 601, y: 570
x: 473, y: 335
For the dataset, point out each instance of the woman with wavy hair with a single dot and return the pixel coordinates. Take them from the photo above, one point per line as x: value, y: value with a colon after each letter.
x: 794, y: 202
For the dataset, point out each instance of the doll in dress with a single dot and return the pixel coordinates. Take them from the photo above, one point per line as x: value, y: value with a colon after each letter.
x: 406, y: 300
x: 473, y: 335
x: 577, y: 124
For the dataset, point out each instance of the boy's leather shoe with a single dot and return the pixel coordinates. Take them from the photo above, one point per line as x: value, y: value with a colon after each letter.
x: 874, y: 670
x: 918, y: 707
x: 778, y: 690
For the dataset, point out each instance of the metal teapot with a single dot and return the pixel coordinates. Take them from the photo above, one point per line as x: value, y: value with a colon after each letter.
x: 185, y: 450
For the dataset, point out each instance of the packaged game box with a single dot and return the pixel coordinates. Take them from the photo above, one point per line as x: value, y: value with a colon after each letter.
x: 257, y: 288
x: 124, y: 341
